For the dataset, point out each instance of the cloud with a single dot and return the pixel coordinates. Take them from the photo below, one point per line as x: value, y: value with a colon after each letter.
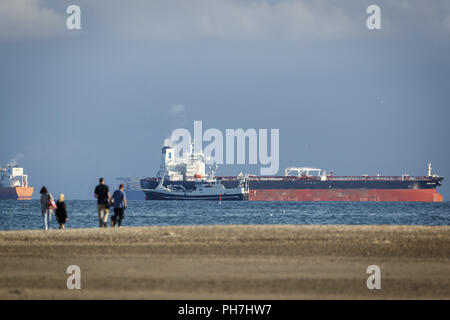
x: 15, y: 160
x: 417, y: 16
x: 29, y: 19
x: 177, y: 113
x: 447, y: 23
x: 226, y: 19
x: 260, y: 19
x: 178, y: 20
x: 177, y: 110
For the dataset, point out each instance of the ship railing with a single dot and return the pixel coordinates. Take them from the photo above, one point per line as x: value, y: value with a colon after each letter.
x: 329, y: 178
x: 378, y: 178
x: 332, y: 178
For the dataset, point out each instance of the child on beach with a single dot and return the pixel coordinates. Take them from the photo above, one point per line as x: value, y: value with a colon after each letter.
x: 47, y: 207
x: 61, y: 212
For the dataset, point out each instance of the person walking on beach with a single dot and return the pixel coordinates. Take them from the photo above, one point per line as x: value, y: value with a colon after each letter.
x: 47, y: 207
x: 103, y: 200
x: 120, y: 204
x: 61, y: 212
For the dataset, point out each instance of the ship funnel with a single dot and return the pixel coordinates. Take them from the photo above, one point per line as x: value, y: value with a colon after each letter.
x: 429, y: 169
x: 167, y: 156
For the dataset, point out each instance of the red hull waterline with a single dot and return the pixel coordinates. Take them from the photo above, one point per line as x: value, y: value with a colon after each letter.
x: 416, y: 195
x: 16, y: 193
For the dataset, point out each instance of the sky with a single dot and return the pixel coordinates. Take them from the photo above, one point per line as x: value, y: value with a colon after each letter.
x: 80, y: 104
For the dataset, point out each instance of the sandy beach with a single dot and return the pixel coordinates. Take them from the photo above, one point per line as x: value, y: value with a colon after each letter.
x: 227, y: 262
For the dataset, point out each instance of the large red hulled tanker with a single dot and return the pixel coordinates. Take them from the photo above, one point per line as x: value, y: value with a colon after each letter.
x: 364, y: 188
x: 321, y: 187
x: 303, y: 184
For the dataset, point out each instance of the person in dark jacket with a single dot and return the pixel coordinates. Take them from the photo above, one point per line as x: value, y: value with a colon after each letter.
x: 120, y: 204
x: 61, y: 212
x: 103, y: 202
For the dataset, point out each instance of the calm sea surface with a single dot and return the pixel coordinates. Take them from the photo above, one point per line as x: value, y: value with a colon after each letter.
x: 16, y: 215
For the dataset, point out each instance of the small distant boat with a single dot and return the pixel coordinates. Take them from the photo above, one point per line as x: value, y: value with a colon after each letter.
x: 203, y: 190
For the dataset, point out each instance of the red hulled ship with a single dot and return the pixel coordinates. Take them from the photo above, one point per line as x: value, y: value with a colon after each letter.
x: 14, y: 184
x: 303, y: 183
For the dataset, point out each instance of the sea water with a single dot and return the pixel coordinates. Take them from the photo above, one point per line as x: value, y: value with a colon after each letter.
x: 19, y: 215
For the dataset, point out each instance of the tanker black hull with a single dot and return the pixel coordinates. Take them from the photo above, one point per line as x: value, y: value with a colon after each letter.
x: 154, y: 195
